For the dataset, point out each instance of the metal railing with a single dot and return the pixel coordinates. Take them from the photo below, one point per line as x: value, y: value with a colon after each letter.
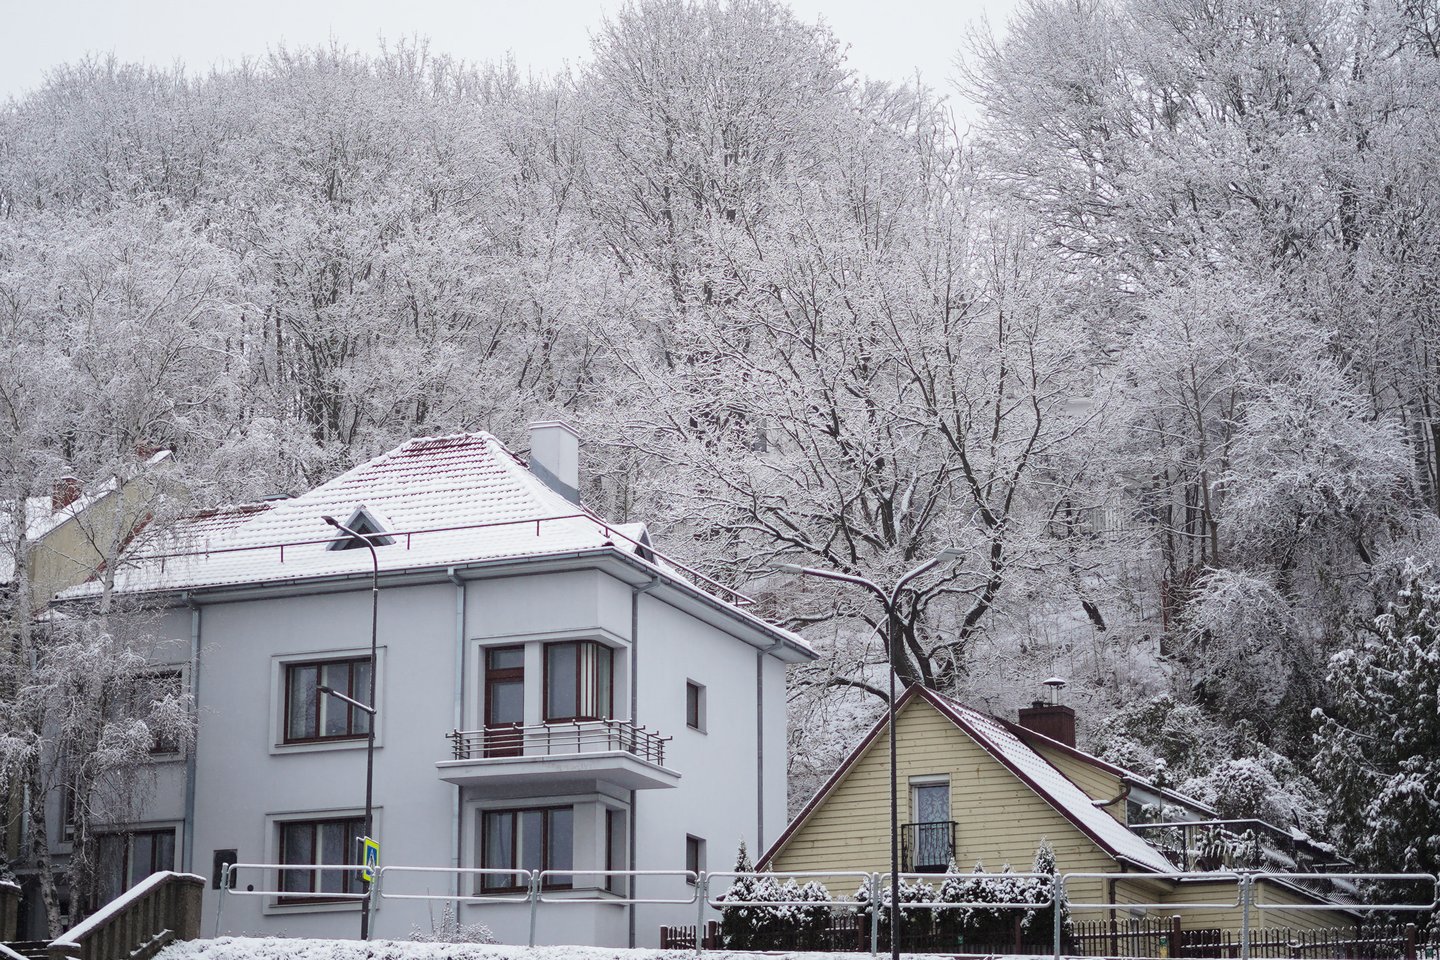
x: 564, y: 738
x: 711, y: 891
x: 927, y: 847
x: 1236, y: 844
x: 606, y: 530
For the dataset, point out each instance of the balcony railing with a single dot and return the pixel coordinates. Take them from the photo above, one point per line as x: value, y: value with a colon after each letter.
x: 927, y: 847
x: 563, y: 738
x: 1238, y: 844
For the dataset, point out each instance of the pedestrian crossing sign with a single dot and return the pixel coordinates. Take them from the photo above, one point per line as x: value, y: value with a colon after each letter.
x: 372, y: 859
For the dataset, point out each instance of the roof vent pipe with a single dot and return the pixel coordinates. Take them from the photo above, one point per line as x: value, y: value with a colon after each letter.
x: 555, y: 457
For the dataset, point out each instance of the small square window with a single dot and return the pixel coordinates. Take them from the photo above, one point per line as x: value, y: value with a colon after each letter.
x: 694, y: 856
x: 694, y: 706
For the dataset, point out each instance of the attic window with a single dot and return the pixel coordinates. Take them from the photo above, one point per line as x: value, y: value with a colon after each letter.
x: 369, y: 529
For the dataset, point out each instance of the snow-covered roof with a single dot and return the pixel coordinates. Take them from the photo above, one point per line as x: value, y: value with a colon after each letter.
x: 445, y: 501
x: 996, y: 738
x: 41, y: 517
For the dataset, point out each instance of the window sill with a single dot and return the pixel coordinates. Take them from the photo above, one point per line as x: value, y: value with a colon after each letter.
x: 315, y: 746
x: 274, y: 907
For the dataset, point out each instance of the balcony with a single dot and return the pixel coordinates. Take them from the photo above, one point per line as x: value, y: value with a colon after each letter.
x: 576, y: 756
x: 1201, y: 845
x: 927, y: 847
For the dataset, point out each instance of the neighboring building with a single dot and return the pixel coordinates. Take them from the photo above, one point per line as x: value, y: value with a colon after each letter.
x: 979, y: 789
x: 68, y: 533
x: 551, y: 693
x: 67, y: 537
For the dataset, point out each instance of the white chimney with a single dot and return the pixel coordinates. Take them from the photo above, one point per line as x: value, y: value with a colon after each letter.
x: 555, y: 457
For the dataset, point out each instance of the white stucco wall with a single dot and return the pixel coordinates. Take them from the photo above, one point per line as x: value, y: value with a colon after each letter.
x: 245, y: 782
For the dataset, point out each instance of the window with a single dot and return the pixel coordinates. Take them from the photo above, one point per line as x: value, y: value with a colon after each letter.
x: 694, y: 855
x: 615, y: 850
x: 311, y: 715
x: 694, y: 706
x: 504, y: 701
x: 135, y: 697
x: 929, y: 840
x: 331, y: 843
x: 124, y: 859
x: 578, y: 680
x: 369, y: 529
x: 930, y: 802
x: 541, y: 839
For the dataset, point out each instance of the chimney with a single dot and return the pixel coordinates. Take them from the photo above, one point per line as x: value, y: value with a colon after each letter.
x: 555, y: 457
x: 1054, y: 719
x: 65, y: 492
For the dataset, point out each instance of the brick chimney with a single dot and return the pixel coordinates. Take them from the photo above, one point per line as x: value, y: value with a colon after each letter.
x: 1054, y: 719
x: 65, y: 492
x: 555, y: 457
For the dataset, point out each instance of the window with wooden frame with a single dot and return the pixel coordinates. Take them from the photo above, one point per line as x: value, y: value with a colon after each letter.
x: 536, y: 839
x: 504, y: 701
x: 616, y: 849
x: 694, y: 856
x: 579, y: 681
x: 124, y: 859
x: 312, y: 716
x: 333, y: 842
x: 694, y: 706
x: 135, y: 696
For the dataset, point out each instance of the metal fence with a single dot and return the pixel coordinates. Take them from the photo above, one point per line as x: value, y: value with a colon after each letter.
x: 852, y: 920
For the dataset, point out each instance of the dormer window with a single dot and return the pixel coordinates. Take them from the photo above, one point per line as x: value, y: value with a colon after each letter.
x: 369, y: 528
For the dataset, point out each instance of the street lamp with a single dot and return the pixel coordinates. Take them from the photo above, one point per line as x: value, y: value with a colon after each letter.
x: 892, y: 626
x: 369, y: 710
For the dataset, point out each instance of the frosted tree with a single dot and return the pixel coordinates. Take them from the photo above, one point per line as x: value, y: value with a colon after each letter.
x: 1378, y: 747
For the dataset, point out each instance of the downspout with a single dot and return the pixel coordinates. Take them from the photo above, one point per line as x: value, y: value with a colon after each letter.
x: 457, y: 718
x: 635, y: 593
x: 760, y: 743
x: 187, y: 845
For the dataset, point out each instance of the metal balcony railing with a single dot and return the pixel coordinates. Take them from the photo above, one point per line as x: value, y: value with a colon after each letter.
x: 1203, y: 845
x: 560, y: 738
x: 927, y: 847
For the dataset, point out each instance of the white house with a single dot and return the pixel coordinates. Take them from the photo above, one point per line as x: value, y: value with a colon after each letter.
x: 551, y: 694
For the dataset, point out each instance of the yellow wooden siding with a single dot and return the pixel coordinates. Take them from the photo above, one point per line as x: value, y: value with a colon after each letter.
x: 999, y: 820
x: 1226, y: 891
x: 1098, y: 784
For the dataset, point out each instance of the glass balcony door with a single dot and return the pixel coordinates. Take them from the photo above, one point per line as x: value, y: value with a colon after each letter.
x: 504, y: 701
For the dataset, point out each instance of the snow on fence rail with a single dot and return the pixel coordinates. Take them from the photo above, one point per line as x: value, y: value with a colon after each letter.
x: 1049, y: 894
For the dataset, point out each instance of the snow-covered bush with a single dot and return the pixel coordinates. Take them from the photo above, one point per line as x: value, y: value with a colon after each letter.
x: 779, y: 927
x: 449, y: 929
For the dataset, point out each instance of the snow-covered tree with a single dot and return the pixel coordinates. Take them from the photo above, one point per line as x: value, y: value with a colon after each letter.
x: 1378, y: 747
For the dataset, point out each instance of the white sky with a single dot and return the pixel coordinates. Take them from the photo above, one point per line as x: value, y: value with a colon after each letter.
x: 888, y: 40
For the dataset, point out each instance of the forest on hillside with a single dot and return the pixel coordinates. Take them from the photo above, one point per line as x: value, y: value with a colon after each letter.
x: 1154, y: 345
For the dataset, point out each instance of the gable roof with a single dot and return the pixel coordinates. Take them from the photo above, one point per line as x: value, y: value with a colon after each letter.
x: 995, y: 738
x: 446, y: 502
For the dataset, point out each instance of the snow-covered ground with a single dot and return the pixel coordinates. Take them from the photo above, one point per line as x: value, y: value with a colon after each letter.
x: 276, y: 948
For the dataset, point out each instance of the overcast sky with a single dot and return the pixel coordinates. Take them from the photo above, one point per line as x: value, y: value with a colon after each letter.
x: 888, y: 40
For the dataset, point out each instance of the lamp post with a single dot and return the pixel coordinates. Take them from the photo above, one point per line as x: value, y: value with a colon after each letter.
x: 369, y: 710
x: 892, y: 632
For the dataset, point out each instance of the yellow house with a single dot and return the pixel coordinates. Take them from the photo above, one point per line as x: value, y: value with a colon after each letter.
x: 980, y: 789
x: 70, y: 533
